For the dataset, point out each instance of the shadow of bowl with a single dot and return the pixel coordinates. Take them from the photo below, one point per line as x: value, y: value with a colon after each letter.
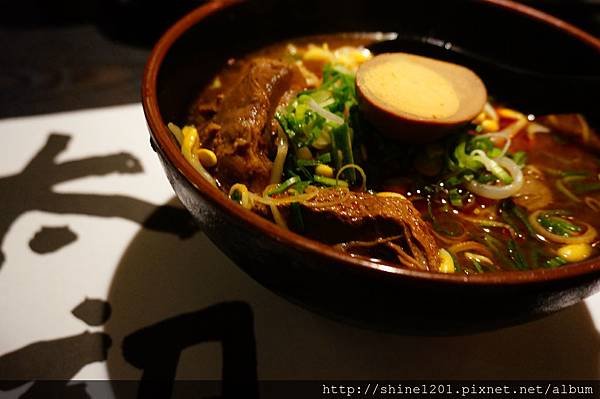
x: 161, y: 277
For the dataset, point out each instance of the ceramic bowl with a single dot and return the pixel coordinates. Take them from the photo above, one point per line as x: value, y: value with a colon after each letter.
x: 315, y: 275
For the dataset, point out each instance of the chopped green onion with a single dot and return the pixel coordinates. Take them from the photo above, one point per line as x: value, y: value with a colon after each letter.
x: 307, y: 162
x: 535, y: 258
x: 516, y: 255
x: 300, y: 112
x: 457, y: 265
x: 281, y: 187
x: 455, y: 198
x: 485, y: 178
x: 480, y: 143
x: 496, y: 246
x: 236, y: 196
x: 570, y: 173
x: 341, y: 141
x: 554, y: 262
x: 477, y: 265
x: 557, y: 225
x: 324, y: 158
x: 494, y: 152
x: 520, y: 214
x: 492, y: 166
x: 453, y: 181
x: 464, y: 160
x: 566, y: 225
x: 301, y: 186
x: 520, y: 158
x: 328, y: 181
x: 508, y: 216
x: 585, y: 188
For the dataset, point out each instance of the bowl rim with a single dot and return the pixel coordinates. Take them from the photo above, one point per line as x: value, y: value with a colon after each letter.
x: 162, y: 137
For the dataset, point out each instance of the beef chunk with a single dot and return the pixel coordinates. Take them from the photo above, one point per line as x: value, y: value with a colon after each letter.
x: 242, y: 140
x: 355, y: 218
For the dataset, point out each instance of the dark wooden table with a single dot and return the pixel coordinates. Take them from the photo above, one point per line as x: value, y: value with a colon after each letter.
x: 68, y: 55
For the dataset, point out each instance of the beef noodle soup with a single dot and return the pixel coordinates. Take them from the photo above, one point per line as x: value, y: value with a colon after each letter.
x: 281, y: 133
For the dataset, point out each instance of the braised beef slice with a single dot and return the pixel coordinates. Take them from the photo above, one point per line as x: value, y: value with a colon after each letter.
x: 242, y: 140
x: 335, y: 217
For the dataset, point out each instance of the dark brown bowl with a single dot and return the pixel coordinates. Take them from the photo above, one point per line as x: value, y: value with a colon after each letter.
x: 313, y: 274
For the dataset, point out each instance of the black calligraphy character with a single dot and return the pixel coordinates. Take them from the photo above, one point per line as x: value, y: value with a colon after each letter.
x: 32, y: 189
x: 156, y: 349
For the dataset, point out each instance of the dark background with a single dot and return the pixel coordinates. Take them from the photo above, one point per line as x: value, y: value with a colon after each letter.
x: 66, y: 54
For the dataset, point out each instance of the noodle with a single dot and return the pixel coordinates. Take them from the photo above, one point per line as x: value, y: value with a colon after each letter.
x: 363, y: 186
x: 470, y: 246
x: 283, y: 200
x: 491, y: 223
x: 448, y: 240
